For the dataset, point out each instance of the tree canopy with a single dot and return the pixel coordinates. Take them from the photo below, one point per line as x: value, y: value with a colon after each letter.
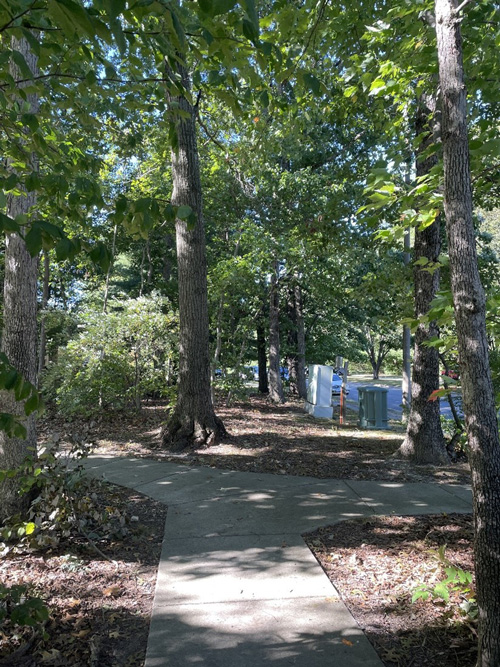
x: 184, y: 183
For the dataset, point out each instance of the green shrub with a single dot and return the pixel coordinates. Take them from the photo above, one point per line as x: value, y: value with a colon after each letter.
x: 117, y: 359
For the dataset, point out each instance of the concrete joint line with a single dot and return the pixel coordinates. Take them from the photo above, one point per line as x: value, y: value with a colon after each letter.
x: 364, y: 502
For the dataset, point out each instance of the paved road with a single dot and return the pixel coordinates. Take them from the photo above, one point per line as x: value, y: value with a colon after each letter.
x: 394, y: 399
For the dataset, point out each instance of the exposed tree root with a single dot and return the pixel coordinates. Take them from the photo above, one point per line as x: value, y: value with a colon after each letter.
x: 180, y: 434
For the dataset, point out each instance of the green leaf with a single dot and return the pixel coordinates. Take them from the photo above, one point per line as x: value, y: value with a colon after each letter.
x: 312, y: 83
x: 64, y: 249
x: 101, y: 255
x: 184, y: 211
x: 253, y: 17
x: 31, y: 121
x: 33, y: 240
x: 121, y: 204
x: 249, y: 31
x: 71, y: 18
x: 119, y: 36
x: 31, y: 404
x: 377, y: 86
x: 23, y: 389
x: 222, y: 6
x: 8, y: 224
x: 206, y: 6
x: 90, y: 77
x: 441, y: 591
x: 420, y: 593
x: 169, y: 213
x: 114, y: 8
x: 48, y: 229
x: 10, y: 378
x: 11, y: 427
x: 173, y: 137
x: 21, y: 63
x: 32, y: 182
x: 32, y: 41
x: 179, y: 30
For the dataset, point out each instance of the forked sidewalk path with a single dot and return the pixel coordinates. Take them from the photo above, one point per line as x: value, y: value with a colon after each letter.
x: 237, y: 586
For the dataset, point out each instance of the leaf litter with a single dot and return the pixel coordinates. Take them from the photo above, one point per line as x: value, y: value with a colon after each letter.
x: 100, y: 616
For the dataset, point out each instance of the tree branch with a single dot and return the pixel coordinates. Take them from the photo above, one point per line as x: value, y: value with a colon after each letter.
x: 14, y: 18
x: 210, y: 135
x: 462, y: 6
x: 77, y: 77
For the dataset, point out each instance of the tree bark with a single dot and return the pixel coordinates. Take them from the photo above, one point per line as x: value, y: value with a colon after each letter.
x: 42, y: 346
x: 291, y: 357
x: 424, y: 441
x: 469, y: 306
x: 406, y: 384
x: 275, y: 383
x: 19, y: 335
x: 108, y: 273
x: 262, y: 359
x: 141, y: 271
x: 193, y: 421
x: 296, y: 342
x: 301, y: 343
x: 375, y: 356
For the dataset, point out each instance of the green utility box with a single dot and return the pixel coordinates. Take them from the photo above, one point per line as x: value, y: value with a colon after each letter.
x: 373, y: 407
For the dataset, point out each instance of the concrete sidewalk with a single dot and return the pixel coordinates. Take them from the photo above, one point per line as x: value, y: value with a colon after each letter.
x: 237, y: 586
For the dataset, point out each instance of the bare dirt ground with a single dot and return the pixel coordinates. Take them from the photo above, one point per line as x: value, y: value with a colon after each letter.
x: 100, y: 608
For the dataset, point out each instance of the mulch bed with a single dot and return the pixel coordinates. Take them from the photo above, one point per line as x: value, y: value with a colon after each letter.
x: 377, y: 563
x: 99, y: 609
x: 280, y: 440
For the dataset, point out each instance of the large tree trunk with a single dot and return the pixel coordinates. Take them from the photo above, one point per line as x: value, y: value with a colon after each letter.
x: 42, y: 345
x: 424, y: 441
x: 301, y: 343
x: 109, y: 271
x: 193, y: 421
x: 275, y: 383
x: 20, y: 321
x: 406, y: 384
x: 469, y: 305
x: 262, y: 358
x: 296, y: 342
x: 291, y: 357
